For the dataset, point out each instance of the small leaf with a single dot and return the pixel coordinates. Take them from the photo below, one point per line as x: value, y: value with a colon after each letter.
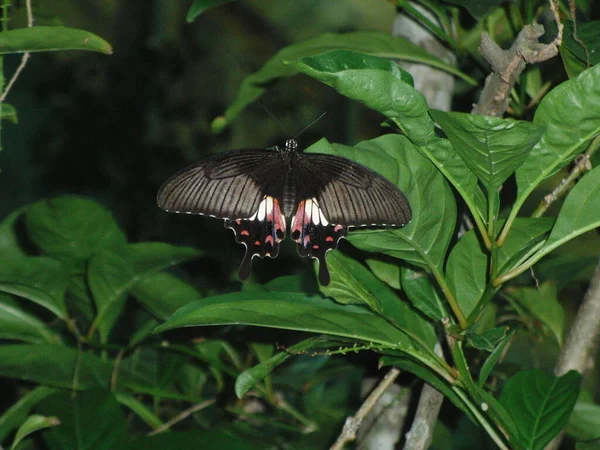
x: 493, y: 148
x: 8, y: 112
x: 72, y: 228
x: 492, y: 359
x: 139, y: 409
x: 419, y: 288
x: 38, y: 279
x: 466, y: 272
x: 16, y: 323
x: 199, y: 6
x: 524, y: 234
x: 44, y: 39
x: 388, y: 272
x: 477, y: 8
x: 540, y: 404
x: 290, y: 311
x: 16, y: 414
x: 9, y: 241
x: 31, y: 425
x: 486, y: 341
x: 89, y: 420
x: 543, y: 304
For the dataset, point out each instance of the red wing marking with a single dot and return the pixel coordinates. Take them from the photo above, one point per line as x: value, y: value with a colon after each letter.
x: 261, y: 233
x: 315, y: 235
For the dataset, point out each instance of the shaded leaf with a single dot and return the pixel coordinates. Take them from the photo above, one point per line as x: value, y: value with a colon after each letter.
x: 31, y: 425
x: 222, y: 438
x: 525, y: 233
x: 89, y: 420
x: 18, y: 324
x: 540, y: 404
x: 488, y: 340
x: 477, y: 8
x: 16, y: 414
x: 9, y: 242
x: 419, y: 288
x: 199, y: 6
x: 8, y: 112
x: 386, y: 271
x: 369, y: 43
x: 488, y: 366
x: 492, y: 147
x: 39, y: 279
x: 72, y: 228
x: 44, y: 39
x: 466, y: 271
x: 139, y: 409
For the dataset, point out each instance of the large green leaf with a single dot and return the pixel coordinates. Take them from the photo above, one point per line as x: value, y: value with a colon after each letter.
x: 89, y: 420
x: 72, y: 228
x: 44, y: 39
x: 112, y: 273
x: 540, y: 404
x: 385, y: 90
x: 18, y: 324
x: 39, y: 279
x: 570, y: 114
x: 16, y: 414
x: 351, y: 282
x: 370, y: 43
x: 425, y: 239
x: 466, y: 271
x: 492, y: 147
x: 292, y: 311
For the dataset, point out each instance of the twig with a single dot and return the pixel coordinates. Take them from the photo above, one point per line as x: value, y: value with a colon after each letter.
x: 507, y: 65
x: 24, y: 58
x: 352, y: 423
x: 181, y: 416
x: 583, y: 340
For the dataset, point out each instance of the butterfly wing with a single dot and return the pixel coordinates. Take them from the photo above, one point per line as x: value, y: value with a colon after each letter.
x: 336, y: 193
x: 241, y: 187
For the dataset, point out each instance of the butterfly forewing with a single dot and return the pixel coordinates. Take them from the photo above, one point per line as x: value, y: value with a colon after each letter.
x: 229, y: 185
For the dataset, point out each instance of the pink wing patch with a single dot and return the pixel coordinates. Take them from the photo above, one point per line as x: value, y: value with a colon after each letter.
x: 315, y: 235
x: 261, y: 233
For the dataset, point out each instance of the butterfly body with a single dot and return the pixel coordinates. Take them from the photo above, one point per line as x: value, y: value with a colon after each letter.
x: 258, y: 192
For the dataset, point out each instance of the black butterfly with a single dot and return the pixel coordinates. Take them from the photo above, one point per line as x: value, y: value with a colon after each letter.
x: 255, y: 191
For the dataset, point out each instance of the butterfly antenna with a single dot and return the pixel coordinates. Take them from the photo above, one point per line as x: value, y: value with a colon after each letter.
x: 274, y: 118
x: 310, y: 125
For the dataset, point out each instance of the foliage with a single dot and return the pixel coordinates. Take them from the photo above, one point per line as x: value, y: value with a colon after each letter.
x: 92, y: 314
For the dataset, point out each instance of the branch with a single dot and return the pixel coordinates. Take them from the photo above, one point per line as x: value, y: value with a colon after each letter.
x: 507, y: 65
x: 24, y: 58
x: 183, y: 415
x: 352, y: 423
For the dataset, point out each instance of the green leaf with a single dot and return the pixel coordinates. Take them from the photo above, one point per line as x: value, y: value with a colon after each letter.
x: 419, y: 289
x: 540, y: 404
x: 89, y: 420
x: 8, y: 112
x: 370, y: 43
x: 290, y: 311
x: 466, y: 271
x: 384, y: 90
x: 386, y: 271
x: 441, y: 153
x: 588, y: 445
x: 139, y: 409
x: 220, y: 437
x: 424, y: 241
x: 351, y: 282
x: 72, y: 228
x: 38, y: 279
x: 162, y: 293
x: 199, y: 6
x: 543, y: 303
x: 588, y: 38
x: 488, y: 340
x: 488, y: 366
x: 44, y: 39
x: 584, y: 423
x: 477, y: 8
x: 493, y: 148
x: 571, y: 119
x: 525, y: 233
x: 16, y: 414
x: 31, y: 425
x: 18, y: 324
x: 9, y: 241
x: 112, y: 273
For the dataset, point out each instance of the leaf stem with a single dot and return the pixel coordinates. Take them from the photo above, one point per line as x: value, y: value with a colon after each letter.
x: 460, y: 317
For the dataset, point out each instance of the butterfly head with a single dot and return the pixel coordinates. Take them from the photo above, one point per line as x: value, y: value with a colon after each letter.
x: 291, y: 145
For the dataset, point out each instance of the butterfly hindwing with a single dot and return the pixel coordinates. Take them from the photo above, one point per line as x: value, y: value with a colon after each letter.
x: 260, y: 234
x: 315, y: 235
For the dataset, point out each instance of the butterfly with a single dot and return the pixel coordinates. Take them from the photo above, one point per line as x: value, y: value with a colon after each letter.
x: 258, y: 191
